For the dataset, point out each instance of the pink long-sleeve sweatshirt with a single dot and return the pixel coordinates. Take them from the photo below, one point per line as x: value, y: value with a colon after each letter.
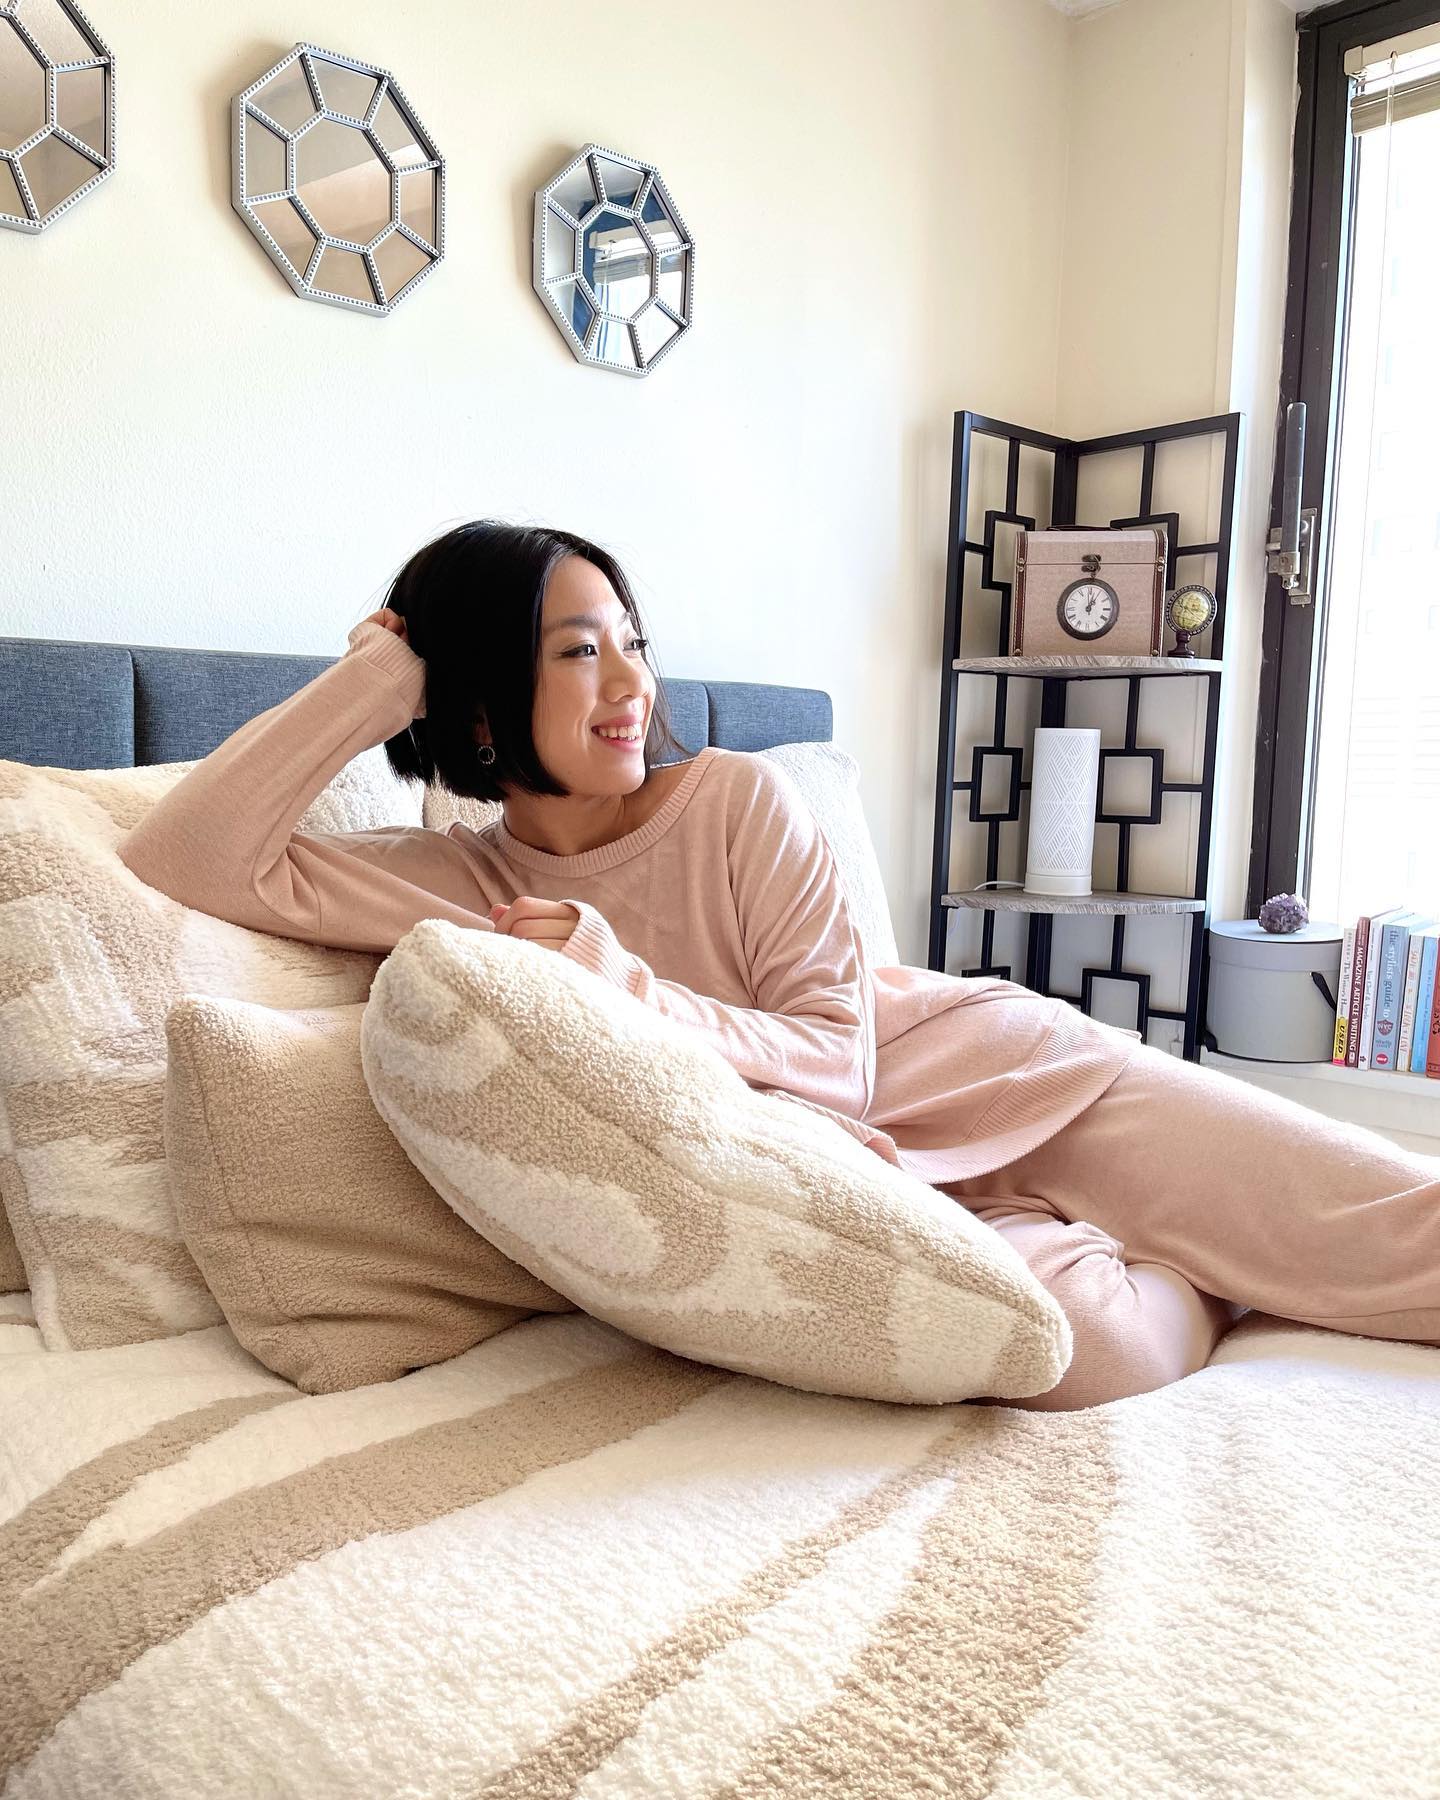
x: 723, y: 911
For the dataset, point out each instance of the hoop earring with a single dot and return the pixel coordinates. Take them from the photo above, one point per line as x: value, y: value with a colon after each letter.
x: 485, y: 754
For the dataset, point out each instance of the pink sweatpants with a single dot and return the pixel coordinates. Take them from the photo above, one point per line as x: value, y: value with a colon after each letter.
x: 1183, y: 1197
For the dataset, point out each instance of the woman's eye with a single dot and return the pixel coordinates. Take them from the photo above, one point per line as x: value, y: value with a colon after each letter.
x: 579, y: 649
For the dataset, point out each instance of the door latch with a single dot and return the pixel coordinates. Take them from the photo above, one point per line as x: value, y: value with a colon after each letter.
x: 1293, y: 564
x: 1291, y: 544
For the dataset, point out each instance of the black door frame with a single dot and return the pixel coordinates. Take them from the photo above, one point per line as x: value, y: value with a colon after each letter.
x: 1292, y: 648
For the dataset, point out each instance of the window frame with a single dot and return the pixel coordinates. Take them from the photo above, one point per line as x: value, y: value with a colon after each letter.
x: 1311, y: 369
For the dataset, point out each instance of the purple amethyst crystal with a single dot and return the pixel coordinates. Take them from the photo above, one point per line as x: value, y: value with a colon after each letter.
x: 1284, y: 912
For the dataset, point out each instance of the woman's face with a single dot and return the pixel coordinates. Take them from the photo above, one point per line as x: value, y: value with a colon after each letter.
x: 592, y: 672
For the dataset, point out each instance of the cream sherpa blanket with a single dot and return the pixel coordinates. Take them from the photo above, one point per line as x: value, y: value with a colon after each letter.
x: 568, y: 1564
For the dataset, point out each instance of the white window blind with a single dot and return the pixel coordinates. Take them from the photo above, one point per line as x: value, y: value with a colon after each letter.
x: 1394, y: 80
x: 1375, y: 837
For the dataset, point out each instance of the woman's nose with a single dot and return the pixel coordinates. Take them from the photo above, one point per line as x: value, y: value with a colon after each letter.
x: 624, y: 680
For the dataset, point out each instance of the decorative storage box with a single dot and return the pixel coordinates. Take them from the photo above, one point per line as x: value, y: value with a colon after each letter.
x: 1272, y: 994
x: 1089, y: 593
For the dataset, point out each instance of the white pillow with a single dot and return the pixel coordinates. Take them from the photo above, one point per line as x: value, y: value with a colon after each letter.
x: 620, y: 1159
x: 829, y: 778
x: 366, y: 795
x: 440, y: 809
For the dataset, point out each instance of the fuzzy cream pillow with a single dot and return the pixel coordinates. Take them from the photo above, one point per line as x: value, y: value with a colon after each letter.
x: 91, y: 959
x: 622, y: 1161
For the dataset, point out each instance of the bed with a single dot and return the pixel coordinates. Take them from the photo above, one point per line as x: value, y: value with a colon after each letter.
x: 567, y: 1563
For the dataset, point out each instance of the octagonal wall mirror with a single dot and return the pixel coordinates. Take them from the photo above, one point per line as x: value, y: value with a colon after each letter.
x: 339, y: 180
x: 613, y: 261
x: 57, y: 111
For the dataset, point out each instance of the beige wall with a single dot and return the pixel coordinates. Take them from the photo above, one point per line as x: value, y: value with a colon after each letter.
x: 196, y: 457
x: 900, y: 211
x: 1145, y: 225
x: 1172, y: 296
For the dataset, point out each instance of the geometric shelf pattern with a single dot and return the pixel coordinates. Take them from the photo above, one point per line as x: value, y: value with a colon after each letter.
x: 57, y: 111
x: 1117, y: 978
x: 1021, y: 521
x: 975, y: 581
x: 1001, y: 753
x: 613, y: 261
x: 339, y: 180
x: 1151, y: 814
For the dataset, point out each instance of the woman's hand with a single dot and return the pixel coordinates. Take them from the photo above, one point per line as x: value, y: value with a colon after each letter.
x: 548, y: 923
x: 392, y: 621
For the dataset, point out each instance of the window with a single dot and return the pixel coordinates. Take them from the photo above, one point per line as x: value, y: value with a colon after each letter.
x: 1348, y: 757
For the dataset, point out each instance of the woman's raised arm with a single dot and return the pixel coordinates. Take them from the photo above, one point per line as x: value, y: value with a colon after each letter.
x: 223, y: 840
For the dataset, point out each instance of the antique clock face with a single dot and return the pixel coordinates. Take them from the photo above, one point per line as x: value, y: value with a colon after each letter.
x: 1088, y: 608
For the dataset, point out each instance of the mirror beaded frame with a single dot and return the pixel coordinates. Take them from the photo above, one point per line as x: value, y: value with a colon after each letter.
x: 647, y: 235
x: 52, y: 162
x: 370, y: 273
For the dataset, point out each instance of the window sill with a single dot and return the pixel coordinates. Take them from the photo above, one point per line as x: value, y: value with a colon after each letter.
x: 1404, y: 1108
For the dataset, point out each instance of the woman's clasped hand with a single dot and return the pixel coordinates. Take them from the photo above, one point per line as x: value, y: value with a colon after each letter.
x: 548, y: 923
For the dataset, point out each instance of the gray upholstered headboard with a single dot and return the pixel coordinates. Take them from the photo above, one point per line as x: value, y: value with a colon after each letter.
x: 75, y: 705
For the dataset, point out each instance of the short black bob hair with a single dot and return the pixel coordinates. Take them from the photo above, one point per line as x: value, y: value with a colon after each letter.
x: 472, y: 602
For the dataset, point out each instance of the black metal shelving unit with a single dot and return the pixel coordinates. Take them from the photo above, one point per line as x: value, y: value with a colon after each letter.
x: 1055, y: 679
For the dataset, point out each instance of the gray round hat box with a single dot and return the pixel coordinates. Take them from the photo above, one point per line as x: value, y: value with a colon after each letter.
x: 1271, y: 994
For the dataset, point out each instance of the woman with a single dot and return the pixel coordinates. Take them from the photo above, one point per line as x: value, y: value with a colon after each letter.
x: 1156, y: 1200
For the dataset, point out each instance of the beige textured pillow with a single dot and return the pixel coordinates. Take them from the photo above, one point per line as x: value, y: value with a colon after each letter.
x: 91, y: 959
x: 12, y: 1270
x: 334, y: 1260
x: 623, y: 1161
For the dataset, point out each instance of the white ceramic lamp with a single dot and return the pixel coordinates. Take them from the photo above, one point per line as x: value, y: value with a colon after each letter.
x: 1064, y: 771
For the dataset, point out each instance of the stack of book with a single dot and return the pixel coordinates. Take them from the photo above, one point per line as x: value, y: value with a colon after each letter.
x: 1388, y: 1012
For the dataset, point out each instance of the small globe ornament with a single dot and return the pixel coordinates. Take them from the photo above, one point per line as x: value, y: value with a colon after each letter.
x: 1284, y: 912
x: 1190, y: 610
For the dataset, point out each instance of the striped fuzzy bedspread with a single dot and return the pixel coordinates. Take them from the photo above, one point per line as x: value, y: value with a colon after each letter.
x: 566, y: 1564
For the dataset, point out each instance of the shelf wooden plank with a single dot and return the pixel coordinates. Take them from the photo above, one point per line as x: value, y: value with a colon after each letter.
x: 1385, y: 1081
x: 1079, y: 668
x: 1013, y: 900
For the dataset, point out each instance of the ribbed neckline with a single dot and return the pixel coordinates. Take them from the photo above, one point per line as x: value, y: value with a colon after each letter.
x: 618, y: 850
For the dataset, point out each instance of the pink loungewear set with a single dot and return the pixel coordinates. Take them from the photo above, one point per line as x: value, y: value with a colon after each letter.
x: 1154, y: 1198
